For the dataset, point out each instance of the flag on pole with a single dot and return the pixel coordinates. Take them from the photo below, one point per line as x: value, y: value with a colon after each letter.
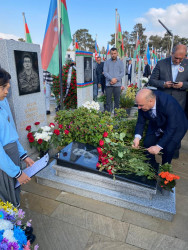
x: 148, y: 55
x: 137, y: 49
x: 50, y: 53
x: 119, y: 42
x: 27, y: 33
x: 76, y: 44
x: 107, y: 50
x: 154, y: 56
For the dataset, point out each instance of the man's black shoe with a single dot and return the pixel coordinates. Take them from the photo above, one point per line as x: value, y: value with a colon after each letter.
x: 48, y: 112
x: 176, y: 155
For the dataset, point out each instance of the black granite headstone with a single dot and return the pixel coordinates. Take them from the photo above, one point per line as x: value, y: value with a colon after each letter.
x: 84, y: 157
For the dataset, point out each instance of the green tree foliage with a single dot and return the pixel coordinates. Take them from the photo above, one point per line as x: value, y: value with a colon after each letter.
x: 138, y: 28
x: 85, y: 40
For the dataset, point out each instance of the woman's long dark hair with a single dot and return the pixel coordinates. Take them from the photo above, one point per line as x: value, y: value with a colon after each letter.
x: 4, y: 77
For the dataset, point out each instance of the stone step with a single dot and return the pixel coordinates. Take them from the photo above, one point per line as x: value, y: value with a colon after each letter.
x: 160, y: 206
x: 104, y: 182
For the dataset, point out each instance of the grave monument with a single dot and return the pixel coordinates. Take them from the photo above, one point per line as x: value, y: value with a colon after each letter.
x: 26, y: 96
x: 84, y: 75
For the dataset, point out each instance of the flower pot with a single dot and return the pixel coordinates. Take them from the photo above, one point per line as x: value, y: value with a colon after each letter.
x: 42, y: 153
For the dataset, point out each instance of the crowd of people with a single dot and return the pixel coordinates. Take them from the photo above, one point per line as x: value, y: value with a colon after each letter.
x: 163, y: 108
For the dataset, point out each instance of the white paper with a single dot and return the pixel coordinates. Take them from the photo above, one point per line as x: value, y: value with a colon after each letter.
x: 35, y: 168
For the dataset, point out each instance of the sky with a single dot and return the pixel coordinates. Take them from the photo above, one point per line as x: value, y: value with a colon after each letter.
x: 97, y: 16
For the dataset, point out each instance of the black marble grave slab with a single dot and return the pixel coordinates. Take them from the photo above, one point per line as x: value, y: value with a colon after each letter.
x: 84, y: 157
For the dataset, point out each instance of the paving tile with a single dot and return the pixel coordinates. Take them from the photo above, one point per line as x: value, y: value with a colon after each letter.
x: 94, y: 222
x: 91, y: 205
x: 151, y: 240
x: 45, y: 191
x: 177, y: 228
x: 52, y: 234
x: 100, y: 242
x: 38, y: 203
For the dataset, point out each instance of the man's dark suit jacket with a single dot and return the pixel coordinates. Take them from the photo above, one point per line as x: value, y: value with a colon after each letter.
x: 163, y: 72
x: 170, y: 118
x: 130, y: 70
x: 147, y: 71
x: 99, y: 73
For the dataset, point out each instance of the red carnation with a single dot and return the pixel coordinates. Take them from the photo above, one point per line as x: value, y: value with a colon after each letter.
x: 31, y: 139
x: 37, y: 123
x: 29, y: 135
x: 28, y: 128
x: 101, y: 143
x: 98, y: 165
x: 60, y: 126
x: 56, y: 131
x: 105, y: 134
x: 66, y: 131
x: 52, y: 124
x: 40, y: 141
x: 109, y: 171
x: 99, y: 150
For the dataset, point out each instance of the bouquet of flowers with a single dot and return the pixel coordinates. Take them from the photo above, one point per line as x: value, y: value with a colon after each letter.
x: 42, y: 138
x: 13, y: 234
x: 91, y: 105
x: 167, y: 180
x: 144, y: 80
x: 118, y: 157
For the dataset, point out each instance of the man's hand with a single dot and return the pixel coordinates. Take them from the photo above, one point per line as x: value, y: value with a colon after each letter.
x: 154, y: 150
x: 113, y: 81
x: 99, y: 85
x: 29, y: 162
x: 168, y: 84
x: 178, y: 85
x: 122, y: 87
x: 23, y: 179
x: 136, y: 142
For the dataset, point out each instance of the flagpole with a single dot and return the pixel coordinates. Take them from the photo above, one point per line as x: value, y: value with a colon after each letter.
x: 116, y: 28
x: 60, y: 55
x: 24, y: 25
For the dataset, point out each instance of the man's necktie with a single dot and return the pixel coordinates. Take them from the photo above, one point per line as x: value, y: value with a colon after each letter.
x: 151, y: 113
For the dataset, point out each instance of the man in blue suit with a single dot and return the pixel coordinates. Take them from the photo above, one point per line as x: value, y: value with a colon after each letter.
x: 167, y: 123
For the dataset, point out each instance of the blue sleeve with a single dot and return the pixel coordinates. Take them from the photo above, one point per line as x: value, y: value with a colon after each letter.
x: 6, y: 164
x: 20, y: 149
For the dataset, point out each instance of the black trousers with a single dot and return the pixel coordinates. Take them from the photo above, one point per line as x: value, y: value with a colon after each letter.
x: 129, y: 78
x: 116, y: 91
x: 168, y: 150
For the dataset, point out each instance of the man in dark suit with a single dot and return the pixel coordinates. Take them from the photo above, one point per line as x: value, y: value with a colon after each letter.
x: 147, y: 70
x: 100, y: 73
x: 167, y: 124
x: 129, y: 71
x: 171, y: 70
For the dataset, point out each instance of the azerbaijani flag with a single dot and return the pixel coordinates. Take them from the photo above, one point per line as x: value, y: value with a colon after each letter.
x: 50, y: 52
x: 108, y: 51
x: 27, y: 33
x: 148, y: 55
x: 154, y: 56
x: 120, y: 46
x: 76, y: 44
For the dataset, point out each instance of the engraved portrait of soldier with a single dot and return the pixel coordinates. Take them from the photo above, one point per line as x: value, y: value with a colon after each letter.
x: 87, y: 69
x: 27, y: 72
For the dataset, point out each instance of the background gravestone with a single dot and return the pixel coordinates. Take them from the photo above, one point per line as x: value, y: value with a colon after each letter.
x: 27, y: 106
x: 84, y: 75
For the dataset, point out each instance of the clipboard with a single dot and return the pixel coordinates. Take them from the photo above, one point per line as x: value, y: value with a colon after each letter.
x: 35, y: 168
